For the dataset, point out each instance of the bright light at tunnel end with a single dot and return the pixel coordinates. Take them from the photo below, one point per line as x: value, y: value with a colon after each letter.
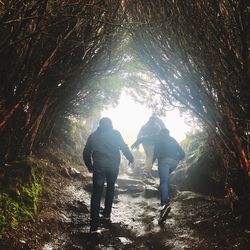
x: 128, y: 117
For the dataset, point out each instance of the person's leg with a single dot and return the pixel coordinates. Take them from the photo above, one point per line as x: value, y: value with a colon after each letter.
x: 164, y: 184
x: 164, y: 191
x: 98, y: 184
x: 149, y: 151
x: 111, y: 175
x: 172, y: 164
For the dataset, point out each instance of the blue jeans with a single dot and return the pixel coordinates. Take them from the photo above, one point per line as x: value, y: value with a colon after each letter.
x: 99, y: 177
x: 165, y: 167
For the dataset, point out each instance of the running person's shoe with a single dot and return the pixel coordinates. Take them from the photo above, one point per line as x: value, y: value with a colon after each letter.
x: 164, y: 211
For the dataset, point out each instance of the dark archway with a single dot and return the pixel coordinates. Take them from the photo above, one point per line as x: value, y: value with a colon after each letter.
x: 52, y: 52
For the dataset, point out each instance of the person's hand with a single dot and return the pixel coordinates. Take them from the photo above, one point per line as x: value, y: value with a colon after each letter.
x: 135, y: 145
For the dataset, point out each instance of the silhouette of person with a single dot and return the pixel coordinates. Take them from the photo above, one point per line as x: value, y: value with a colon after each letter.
x: 151, y: 128
x: 168, y: 152
x: 101, y: 155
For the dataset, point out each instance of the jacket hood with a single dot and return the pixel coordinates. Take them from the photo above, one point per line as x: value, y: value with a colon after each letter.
x: 105, y: 124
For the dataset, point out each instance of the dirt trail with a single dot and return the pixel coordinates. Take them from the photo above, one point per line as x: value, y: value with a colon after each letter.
x: 195, y: 221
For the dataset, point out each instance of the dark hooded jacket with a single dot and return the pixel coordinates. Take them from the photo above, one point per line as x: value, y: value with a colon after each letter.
x: 102, y: 149
x: 151, y: 128
x: 165, y: 146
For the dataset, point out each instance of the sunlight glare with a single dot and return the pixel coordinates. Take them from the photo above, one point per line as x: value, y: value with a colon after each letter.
x: 128, y: 117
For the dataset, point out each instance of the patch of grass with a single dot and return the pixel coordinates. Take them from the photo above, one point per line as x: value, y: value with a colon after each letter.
x: 23, y: 205
x: 12, y: 211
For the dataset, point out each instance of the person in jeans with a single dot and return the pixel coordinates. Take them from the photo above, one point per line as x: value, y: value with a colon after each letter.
x: 168, y: 153
x: 101, y: 156
x: 151, y: 128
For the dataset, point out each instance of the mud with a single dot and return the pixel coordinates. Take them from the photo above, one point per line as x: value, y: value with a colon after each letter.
x: 195, y: 221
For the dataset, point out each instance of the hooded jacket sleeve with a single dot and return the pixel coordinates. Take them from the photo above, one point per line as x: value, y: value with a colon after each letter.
x: 124, y: 148
x: 87, y: 151
x: 144, y: 139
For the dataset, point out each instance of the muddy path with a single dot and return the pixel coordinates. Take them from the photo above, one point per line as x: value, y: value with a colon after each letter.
x: 195, y: 221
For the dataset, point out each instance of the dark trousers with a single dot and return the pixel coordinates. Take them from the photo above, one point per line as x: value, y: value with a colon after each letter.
x: 99, y: 177
x: 165, y: 167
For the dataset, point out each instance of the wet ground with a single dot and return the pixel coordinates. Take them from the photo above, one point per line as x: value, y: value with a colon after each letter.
x: 194, y: 222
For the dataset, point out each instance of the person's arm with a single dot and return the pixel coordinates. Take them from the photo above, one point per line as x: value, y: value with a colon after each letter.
x: 125, y: 149
x: 137, y: 143
x: 87, y: 155
x: 150, y: 139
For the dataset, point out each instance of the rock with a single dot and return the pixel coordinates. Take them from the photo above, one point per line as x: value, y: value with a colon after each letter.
x: 151, y: 191
x: 65, y: 172
x: 179, y: 178
x: 188, y: 195
x: 200, y: 173
x: 71, y: 173
x: 64, y: 218
x: 135, y: 189
x: 126, y: 182
x: 154, y: 171
x: 124, y: 240
x: 75, y: 173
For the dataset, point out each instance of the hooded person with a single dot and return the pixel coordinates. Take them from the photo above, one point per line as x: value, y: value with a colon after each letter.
x: 101, y: 156
x: 169, y: 153
x: 151, y: 128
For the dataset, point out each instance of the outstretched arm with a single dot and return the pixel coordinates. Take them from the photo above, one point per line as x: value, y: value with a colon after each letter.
x: 137, y: 143
x: 143, y: 139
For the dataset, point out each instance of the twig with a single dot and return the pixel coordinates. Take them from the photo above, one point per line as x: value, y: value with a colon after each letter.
x: 20, y: 19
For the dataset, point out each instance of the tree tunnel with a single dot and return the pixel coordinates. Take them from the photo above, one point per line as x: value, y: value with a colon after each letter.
x: 62, y: 59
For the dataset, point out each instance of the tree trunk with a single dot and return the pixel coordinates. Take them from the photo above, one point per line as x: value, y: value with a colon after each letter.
x: 9, y: 115
x: 31, y: 136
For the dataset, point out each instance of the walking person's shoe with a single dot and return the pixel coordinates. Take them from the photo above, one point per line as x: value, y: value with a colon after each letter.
x: 164, y: 211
